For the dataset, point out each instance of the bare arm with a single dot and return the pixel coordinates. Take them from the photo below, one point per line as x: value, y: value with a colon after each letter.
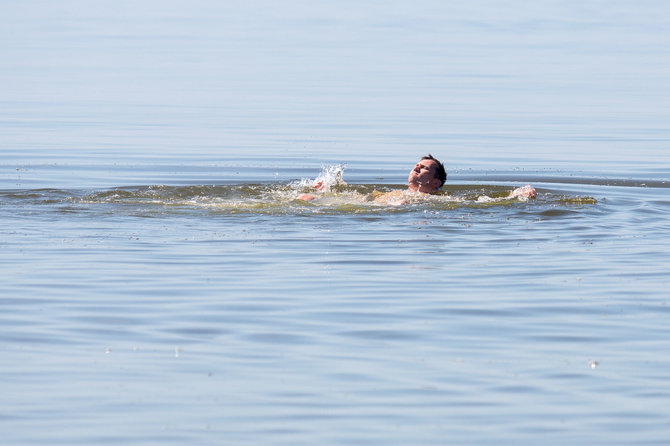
x: 527, y: 191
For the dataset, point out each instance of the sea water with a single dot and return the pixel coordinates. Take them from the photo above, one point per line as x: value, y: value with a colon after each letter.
x: 162, y: 283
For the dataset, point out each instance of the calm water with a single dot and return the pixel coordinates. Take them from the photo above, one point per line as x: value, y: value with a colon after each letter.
x: 161, y: 285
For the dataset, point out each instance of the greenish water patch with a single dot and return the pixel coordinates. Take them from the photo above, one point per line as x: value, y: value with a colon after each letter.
x: 283, y: 198
x: 577, y: 201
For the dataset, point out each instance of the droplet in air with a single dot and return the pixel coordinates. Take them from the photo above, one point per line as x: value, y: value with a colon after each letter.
x: 593, y: 364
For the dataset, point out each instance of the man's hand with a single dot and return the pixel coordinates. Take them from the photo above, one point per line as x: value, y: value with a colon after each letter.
x: 527, y: 191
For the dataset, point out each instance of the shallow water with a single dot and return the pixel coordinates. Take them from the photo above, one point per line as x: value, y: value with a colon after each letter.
x: 162, y: 284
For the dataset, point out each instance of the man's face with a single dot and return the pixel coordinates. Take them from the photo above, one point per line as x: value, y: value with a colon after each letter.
x: 424, y: 176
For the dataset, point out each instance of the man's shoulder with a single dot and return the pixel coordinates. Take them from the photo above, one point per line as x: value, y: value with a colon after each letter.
x: 394, y: 197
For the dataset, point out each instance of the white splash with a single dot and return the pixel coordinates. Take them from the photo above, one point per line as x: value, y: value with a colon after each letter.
x: 329, y: 177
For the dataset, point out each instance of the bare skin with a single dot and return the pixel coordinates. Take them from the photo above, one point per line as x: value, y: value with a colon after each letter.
x: 422, y: 179
x: 527, y: 191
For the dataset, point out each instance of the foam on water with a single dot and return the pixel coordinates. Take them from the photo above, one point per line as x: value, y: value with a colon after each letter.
x: 330, y: 177
x: 331, y: 192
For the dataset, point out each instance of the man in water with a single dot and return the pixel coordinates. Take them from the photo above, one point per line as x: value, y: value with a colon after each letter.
x: 427, y: 177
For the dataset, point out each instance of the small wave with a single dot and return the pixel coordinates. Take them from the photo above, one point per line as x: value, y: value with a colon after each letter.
x: 284, y: 198
x: 578, y: 200
x: 331, y: 195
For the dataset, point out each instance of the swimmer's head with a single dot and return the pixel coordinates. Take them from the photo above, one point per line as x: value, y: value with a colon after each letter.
x: 427, y: 176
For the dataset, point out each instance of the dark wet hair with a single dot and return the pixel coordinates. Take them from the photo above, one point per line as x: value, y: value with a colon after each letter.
x: 441, y: 173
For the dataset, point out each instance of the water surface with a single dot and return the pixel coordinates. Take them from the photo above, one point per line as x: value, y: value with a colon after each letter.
x: 161, y: 284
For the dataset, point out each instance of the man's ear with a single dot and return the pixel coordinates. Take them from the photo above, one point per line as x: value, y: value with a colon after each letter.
x: 436, y: 183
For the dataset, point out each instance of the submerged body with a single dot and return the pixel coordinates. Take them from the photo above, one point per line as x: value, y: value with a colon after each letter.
x: 402, y: 197
x: 426, y: 178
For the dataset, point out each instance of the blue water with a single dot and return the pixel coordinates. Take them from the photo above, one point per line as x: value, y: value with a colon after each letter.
x: 160, y: 283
